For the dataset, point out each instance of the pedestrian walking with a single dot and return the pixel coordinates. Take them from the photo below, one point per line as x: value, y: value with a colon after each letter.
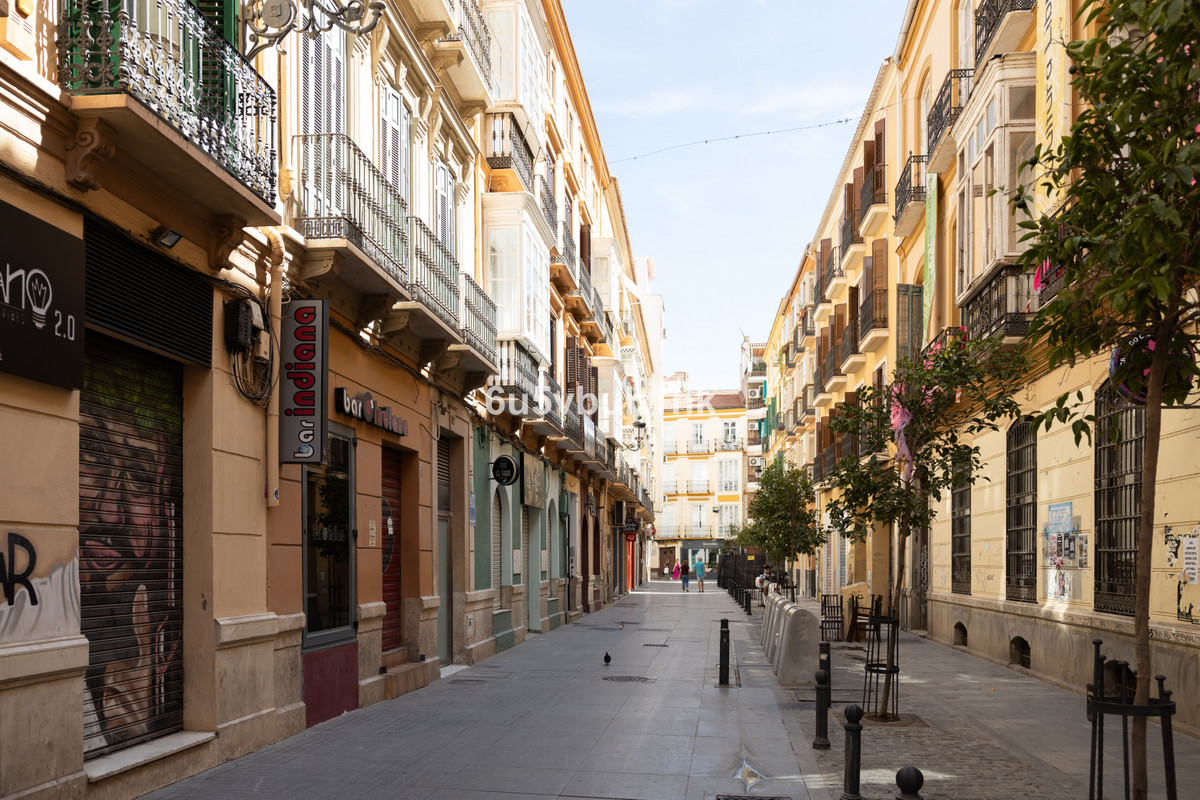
x: 683, y: 574
x: 675, y: 572
x: 700, y: 573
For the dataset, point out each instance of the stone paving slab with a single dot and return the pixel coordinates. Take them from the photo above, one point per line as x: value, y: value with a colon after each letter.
x: 542, y: 721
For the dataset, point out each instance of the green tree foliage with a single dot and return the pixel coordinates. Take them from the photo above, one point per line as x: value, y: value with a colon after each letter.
x: 915, y: 440
x: 1125, y: 248
x: 783, y: 518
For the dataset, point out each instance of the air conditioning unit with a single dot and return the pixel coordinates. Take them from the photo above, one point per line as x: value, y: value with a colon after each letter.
x: 755, y: 394
x: 755, y: 461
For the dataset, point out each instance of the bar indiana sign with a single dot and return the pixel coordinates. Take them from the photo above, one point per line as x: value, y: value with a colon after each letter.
x: 304, y: 349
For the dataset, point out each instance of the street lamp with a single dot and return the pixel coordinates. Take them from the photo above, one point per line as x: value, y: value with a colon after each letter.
x: 271, y: 20
x: 640, y: 428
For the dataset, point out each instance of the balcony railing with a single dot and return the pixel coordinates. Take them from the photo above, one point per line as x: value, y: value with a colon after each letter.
x: 779, y: 421
x: 988, y: 17
x: 808, y: 324
x: 176, y: 63
x: 549, y: 207
x: 849, y: 344
x: 697, y: 485
x: 672, y: 447
x: 833, y: 364
x: 507, y: 149
x: 911, y: 186
x: 946, y: 338
x: 833, y: 266
x: 434, y: 273
x: 1004, y: 306
x: 948, y: 105
x: 479, y: 317
x: 873, y: 189
x: 850, y: 234
x: 473, y: 30
x: 572, y: 424
x: 704, y: 446
x: 551, y: 406
x: 342, y: 195
x: 569, y: 256
x: 873, y: 313
x: 517, y: 374
x: 730, y: 444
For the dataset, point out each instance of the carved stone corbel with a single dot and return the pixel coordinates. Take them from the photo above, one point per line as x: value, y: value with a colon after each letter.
x: 319, y: 264
x: 394, y: 322
x: 473, y: 381
x: 433, y: 349
x: 372, y: 307
x: 228, y: 234
x: 91, y: 146
x: 448, y: 361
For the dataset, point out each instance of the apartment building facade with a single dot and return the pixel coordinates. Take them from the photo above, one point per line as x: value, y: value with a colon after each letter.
x: 274, y: 303
x: 703, y: 473
x: 1036, y: 559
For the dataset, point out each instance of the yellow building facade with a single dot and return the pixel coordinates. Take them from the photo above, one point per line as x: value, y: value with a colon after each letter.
x: 1034, y: 560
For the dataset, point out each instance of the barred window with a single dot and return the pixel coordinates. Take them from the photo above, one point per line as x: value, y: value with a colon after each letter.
x: 1020, y: 576
x: 960, y: 535
x: 1118, y: 469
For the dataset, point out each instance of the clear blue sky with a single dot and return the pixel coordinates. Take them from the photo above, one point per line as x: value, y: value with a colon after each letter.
x: 726, y: 222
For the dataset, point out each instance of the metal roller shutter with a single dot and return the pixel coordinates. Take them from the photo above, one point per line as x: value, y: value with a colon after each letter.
x: 131, y: 544
x: 443, y: 474
x: 393, y: 617
x: 496, y: 540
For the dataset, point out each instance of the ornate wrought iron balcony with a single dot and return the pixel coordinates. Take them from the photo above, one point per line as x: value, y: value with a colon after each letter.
x: 988, y: 21
x: 434, y: 273
x: 1003, y: 305
x: 517, y: 378
x: 479, y: 317
x: 473, y: 30
x: 170, y: 58
x: 850, y: 234
x: 946, y: 108
x: 873, y: 190
x: 508, y: 149
x: 947, y: 337
x: 343, y: 195
x: 726, y: 445
x: 833, y: 267
x: 697, y: 485
x: 873, y: 312
x: 549, y: 208
x: 849, y: 340
x: 910, y: 195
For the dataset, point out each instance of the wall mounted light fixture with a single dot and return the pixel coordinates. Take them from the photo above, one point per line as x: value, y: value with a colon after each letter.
x: 165, y: 237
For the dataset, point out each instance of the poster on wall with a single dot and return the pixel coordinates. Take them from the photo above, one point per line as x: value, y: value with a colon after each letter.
x: 303, y: 374
x: 41, y: 300
x: 533, y: 481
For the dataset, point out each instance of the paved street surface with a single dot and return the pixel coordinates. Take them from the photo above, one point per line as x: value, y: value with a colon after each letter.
x: 549, y: 719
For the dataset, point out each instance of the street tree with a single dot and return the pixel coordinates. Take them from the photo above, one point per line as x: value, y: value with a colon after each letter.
x: 782, y: 517
x: 1124, y: 249
x: 915, y: 440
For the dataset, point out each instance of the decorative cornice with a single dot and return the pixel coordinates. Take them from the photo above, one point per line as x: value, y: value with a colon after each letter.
x: 227, y: 235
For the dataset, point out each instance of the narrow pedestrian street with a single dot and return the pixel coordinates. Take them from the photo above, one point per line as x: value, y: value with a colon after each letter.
x: 552, y: 720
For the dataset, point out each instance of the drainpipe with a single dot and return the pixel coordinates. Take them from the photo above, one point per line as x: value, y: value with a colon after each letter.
x: 276, y: 311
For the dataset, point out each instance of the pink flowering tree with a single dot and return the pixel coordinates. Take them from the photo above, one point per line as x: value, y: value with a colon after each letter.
x: 1122, y: 255
x: 913, y: 440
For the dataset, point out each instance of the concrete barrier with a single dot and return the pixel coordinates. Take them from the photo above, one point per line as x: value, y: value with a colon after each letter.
x: 789, y: 639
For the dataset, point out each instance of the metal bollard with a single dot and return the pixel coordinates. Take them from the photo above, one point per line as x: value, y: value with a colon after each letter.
x: 853, y: 728
x: 823, y: 662
x: 821, y: 741
x: 724, y: 675
x: 909, y: 781
x: 749, y: 602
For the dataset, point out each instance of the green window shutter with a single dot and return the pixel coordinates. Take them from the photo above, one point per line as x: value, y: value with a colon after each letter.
x: 223, y: 16
x: 909, y: 310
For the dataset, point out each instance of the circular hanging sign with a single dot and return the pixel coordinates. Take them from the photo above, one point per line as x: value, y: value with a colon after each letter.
x: 1131, y: 359
x: 504, y: 471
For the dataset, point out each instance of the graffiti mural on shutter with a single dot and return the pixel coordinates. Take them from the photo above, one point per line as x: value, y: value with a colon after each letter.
x: 130, y: 544
x: 393, y: 627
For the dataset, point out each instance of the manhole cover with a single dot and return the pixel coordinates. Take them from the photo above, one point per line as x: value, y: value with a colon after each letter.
x: 468, y: 680
x: 650, y: 644
x: 628, y: 679
x: 599, y: 628
x: 1009, y: 677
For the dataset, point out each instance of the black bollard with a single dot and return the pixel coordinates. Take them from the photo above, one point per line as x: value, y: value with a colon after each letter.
x: 909, y: 781
x: 724, y: 675
x: 821, y: 740
x: 853, y: 753
x: 823, y: 662
x: 749, y: 602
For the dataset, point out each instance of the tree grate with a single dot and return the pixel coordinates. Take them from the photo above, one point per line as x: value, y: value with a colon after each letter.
x: 628, y: 679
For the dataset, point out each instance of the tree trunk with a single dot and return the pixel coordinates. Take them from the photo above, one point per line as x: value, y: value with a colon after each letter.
x: 897, y: 590
x: 1145, y: 542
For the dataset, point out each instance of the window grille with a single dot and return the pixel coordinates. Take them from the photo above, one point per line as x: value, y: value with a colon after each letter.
x: 1118, y: 500
x: 960, y: 539
x: 1020, y: 577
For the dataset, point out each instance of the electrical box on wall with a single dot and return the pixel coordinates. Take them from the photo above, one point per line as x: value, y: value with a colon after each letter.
x: 239, y: 326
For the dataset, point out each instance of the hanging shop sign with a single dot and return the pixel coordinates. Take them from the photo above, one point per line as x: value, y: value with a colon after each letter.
x: 41, y: 300
x: 362, y: 405
x: 304, y: 347
x: 631, y: 537
x: 533, y: 481
x: 504, y: 471
x: 631, y: 525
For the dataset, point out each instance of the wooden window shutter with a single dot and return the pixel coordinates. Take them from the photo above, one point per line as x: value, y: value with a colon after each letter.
x: 854, y: 190
x: 868, y: 281
x: 571, y: 367
x: 877, y: 380
x: 594, y: 390
x: 585, y: 248
x: 852, y: 312
x: 879, y: 265
x: 868, y: 155
x: 880, y: 145
x: 908, y: 320
x: 839, y: 316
